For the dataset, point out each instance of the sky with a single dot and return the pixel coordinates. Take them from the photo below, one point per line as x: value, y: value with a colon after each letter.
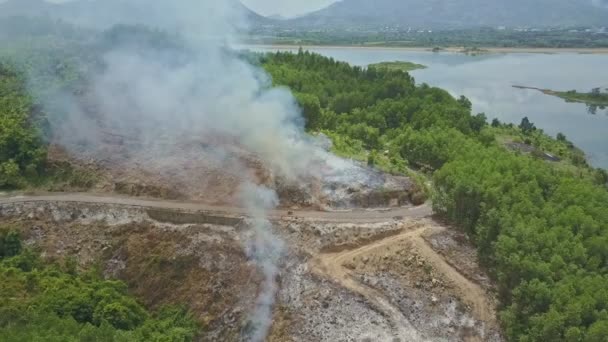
x: 271, y: 7
x: 290, y: 8
x: 286, y: 7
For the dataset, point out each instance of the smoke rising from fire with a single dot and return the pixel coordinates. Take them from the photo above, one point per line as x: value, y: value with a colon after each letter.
x: 266, y: 250
x: 162, y: 98
x: 159, y: 100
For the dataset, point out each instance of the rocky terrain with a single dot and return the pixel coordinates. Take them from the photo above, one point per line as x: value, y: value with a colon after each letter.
x: 382, y: 280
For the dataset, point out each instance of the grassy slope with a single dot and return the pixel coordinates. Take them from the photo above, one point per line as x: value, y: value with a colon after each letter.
x: 399, y: 65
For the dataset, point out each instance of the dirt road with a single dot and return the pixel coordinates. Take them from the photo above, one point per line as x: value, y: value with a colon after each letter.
x: 350, y: 216
x: 332, y: 266
x: 468, y: 291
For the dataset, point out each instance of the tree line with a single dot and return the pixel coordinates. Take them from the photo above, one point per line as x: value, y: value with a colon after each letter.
x: 540, y: 228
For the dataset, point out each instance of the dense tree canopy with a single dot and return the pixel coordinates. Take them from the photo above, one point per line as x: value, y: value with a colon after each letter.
x: 541, y: 229
x: 22, y: 153
x: 58, y: 303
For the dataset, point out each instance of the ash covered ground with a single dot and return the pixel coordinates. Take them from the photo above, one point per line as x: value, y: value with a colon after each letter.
x: 213, y: 168
x: 384, y: 281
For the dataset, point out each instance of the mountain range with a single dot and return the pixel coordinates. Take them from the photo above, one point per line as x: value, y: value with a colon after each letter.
x: 91, y: 11
x: 431, y: 14
x: 459, y: 13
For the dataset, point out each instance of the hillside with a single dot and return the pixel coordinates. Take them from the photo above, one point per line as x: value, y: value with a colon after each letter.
x: 457, y: 13
x: 89, y: 12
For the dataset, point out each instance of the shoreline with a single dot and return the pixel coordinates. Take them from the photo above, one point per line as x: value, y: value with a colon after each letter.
x: 568, y: 97
x: 454, y: 49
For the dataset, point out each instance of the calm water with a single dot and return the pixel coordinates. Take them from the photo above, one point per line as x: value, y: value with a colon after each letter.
x: 487, y: 81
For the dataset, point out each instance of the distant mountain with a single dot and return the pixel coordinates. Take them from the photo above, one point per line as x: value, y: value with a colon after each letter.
x: 277, y: 17
x: 26, y: 7
x: 91, y: 11
x: 253, y: 17
x: 458, y: 13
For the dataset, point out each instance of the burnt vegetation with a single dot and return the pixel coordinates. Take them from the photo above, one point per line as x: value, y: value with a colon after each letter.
x: 540, y: 229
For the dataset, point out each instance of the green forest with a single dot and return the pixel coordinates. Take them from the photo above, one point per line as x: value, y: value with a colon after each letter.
x: 540, y: 227
x: 22, y: 153
x: 482, y: 37
x: 53, y: 301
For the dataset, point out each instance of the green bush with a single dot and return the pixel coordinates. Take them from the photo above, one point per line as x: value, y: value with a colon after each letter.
x: 40, y: 301
x: 22, y: 152
x: 10, y: 243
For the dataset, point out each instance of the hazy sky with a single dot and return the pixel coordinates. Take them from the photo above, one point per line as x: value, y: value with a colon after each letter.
x: 271, y: 7
x: 286, y: 7
x: 295, y: 7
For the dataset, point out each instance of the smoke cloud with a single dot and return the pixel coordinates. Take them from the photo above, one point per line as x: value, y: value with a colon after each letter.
x: 266, y: 250
x: 185, y: 103
x: 164, y: 98
x: 171, y: 106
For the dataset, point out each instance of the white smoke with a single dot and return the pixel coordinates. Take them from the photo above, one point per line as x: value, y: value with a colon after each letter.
x: 164, y: 103
x: 157, y: 98
x: 266, y: 250
x: 213, y: 95
x: 160, y: 101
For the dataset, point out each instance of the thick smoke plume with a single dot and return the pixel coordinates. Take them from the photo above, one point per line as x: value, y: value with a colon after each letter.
x: 161, y: 102
x: 185, y: 103
x: 162, y: 99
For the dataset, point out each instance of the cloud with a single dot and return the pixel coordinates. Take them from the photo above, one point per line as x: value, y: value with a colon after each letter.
x: 600, y: 3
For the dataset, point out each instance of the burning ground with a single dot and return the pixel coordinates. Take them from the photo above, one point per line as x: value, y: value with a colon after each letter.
x: 211, y: 170
x: 379, y: 281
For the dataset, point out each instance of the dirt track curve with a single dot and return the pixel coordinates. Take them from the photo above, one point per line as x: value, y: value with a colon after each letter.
x: 332, y: 266
x: 329, y: 265
x: 354, y: 216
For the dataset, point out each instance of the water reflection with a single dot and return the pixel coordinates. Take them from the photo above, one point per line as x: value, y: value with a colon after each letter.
x: 593, y: 109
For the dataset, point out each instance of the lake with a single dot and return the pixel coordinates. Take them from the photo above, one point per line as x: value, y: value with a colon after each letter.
x: 487, y: 81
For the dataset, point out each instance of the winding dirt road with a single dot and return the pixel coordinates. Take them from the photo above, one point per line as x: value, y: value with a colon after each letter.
x: 332, y: 266
x: 328, y: 265
x: 349, y: 216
